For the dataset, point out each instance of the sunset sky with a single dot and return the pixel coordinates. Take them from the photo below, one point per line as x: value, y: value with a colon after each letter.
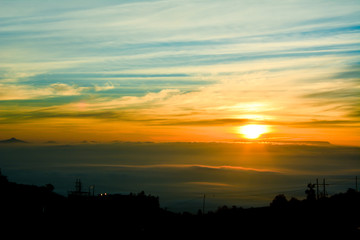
x: 179, y: 71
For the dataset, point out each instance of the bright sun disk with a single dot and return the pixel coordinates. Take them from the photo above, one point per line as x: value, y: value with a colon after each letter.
x: 253, y: 131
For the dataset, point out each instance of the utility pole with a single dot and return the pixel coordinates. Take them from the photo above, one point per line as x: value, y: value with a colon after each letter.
x: 356, y: 186
x: 78, y: 185
x: 324, y: 188
x: 203, y: 210
x: 92, y: 187
x: 317, y: 189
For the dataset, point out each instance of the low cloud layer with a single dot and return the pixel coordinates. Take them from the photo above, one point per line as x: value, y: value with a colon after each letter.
x: 237, y: 173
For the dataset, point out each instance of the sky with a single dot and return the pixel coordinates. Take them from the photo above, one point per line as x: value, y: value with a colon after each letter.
x: 180, y: 71
x: 239, y: 100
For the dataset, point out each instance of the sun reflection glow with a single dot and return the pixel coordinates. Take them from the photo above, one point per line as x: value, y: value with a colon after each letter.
x: 253, y: 131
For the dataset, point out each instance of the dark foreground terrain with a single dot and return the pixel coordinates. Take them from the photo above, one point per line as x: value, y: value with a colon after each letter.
x: 28, y: 210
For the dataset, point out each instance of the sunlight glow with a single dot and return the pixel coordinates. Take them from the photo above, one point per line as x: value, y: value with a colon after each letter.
x: 253, y: 131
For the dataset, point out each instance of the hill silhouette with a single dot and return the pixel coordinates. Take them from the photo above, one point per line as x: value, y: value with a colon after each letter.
x: 12, y: 140
x: 39, y: 210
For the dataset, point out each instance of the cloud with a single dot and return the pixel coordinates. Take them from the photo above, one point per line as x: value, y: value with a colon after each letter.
x: 62, y: 89
x: 208, y: 170
x: 204, y: 122
x: 107, y: 86
x: 211, y: 184
x: 336, y: 94
x: 148, y: 100
x: 21, y: 91
x: 317, y: 123
x: 54, y: 113
x: 349, y: 74
x: 14, y: 92
x: 178, y: 166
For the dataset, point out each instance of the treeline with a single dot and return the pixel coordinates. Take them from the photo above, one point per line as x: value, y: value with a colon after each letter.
x: 40, y: 211
x: 326, y: 217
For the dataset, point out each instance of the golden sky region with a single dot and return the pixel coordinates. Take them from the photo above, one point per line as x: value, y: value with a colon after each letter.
x: 171, y: 71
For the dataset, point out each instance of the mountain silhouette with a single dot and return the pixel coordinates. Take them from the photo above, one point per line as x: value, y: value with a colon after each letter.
x: 12, y: 140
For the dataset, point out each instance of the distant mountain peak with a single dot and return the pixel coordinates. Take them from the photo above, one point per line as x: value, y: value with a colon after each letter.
x: 12, y: 140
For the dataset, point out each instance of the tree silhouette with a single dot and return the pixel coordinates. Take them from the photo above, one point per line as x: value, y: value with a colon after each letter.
x: 310, y: 193
x: 279, y: 201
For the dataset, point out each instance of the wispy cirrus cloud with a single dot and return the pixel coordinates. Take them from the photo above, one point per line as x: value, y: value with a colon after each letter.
x: 16, y: 92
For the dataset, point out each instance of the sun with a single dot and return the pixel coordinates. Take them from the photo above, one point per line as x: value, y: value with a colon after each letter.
x: 253, y: 131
